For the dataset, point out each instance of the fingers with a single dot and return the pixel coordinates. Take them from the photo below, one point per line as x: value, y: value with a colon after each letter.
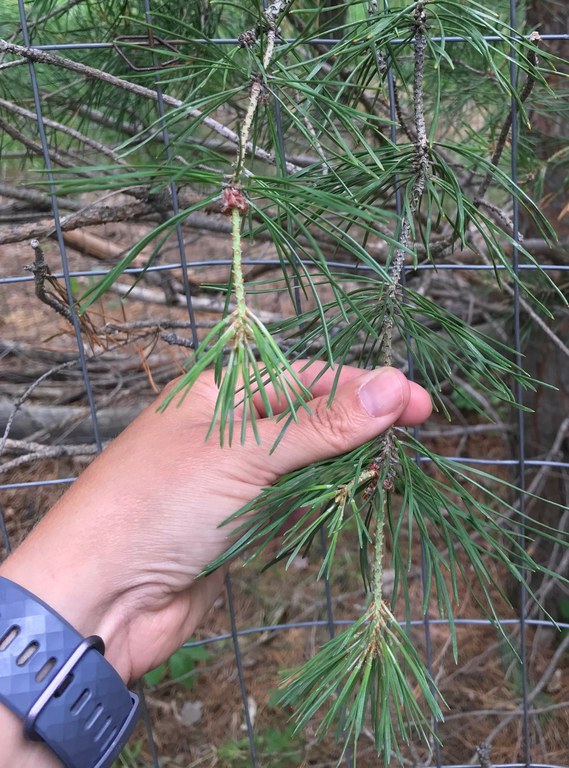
x: 419, y: 407
x: 363, y: 407
x: 318, y: 377
x: 358, y: 395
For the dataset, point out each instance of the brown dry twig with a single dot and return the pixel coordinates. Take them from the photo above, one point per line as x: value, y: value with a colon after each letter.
x: 27, y: 453
x: 57, y: 299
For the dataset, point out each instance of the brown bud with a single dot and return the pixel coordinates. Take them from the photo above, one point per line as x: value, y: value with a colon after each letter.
x: 232, y: 198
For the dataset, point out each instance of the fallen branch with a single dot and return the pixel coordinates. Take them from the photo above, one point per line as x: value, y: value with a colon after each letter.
x: 56, y: 421
x: 27, y: 453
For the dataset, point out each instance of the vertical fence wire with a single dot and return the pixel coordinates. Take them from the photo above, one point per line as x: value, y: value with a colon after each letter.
x: 59, y: 233
x: 514, y: 134
x: 519, y: 464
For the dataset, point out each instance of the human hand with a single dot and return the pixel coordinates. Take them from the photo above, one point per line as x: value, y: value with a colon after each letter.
x: 118, y: 556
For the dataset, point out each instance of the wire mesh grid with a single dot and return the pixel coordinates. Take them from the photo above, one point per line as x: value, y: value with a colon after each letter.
x: 185, y: 263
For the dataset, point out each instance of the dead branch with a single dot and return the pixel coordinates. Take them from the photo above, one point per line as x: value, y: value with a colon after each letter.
x: 27, y: 453
x: 90, y: 216
x: 35, y: 198
x: 56, y: 421
x: 41, y: 273
x: 57, y: 158
x: 43, y: 57
x: 65, y: 129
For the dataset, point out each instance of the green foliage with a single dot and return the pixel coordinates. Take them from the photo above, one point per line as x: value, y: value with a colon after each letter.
x: 180, y: 667
x: 279, y: 747
x: 128, y: 758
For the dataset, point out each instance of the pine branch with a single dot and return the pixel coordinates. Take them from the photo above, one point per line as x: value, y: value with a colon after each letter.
x: 243, y: 330
x: 395, y: 494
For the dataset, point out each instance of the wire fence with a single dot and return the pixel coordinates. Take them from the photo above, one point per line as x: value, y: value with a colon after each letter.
x: 525, y: 707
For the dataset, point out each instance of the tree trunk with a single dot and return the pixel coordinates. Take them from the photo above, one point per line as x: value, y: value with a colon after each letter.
x: 543, y: 359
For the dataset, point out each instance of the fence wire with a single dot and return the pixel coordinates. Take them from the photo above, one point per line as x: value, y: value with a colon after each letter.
x: 186, y: 263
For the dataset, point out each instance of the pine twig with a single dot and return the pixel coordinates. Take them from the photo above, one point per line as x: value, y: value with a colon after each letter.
x: 421, y: 166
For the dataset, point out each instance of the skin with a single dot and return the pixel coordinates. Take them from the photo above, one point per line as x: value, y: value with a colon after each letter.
x: 119, y: 554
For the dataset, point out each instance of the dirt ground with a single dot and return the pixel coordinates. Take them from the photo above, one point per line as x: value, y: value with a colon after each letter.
x: 200, y: 721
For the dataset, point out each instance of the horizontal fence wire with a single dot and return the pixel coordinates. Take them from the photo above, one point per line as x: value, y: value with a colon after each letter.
x: 234, y: 41
x: 187, y: 264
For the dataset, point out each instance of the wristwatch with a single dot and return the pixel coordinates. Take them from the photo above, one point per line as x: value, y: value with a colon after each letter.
x: 60, y: 684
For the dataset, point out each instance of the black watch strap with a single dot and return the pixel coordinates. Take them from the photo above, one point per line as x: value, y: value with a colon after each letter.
x: 60, y: 684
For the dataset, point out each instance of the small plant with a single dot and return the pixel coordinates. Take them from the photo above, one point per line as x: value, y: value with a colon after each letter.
x: 129, y: 756
x: 180, y: 667
x: 279, y: 748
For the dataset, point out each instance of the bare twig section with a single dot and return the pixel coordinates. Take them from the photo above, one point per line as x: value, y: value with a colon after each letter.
x: 42, y: 273
x: 504, y: 133
x: 421, y: 167
x: 235, y: 204
x: 27, y: 453
x: 484, y: 755
x: 44, y: 57
x: 258, y: 86
x: 177, y: 341
x: 65, y: 129
x: 421, y: 145
x: 501, y: 217
x: 57, y: 299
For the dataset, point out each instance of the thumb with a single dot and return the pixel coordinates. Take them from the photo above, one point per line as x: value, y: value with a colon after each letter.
x: 361, y: 409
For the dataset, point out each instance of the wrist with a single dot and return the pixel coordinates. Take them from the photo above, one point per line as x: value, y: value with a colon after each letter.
x: 16, y: 750
x: 80, y: 690
x: 76, y: 586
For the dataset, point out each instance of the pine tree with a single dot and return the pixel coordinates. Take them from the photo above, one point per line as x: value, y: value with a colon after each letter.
x: 358, y: 135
